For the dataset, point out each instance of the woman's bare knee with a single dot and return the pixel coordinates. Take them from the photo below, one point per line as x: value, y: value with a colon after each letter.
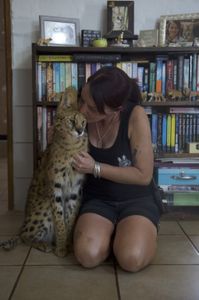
x: 89, y: 253
x: 92, y: 240
x: 131, y: 260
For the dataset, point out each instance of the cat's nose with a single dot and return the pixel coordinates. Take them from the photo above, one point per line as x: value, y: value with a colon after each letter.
x: 80, y: 131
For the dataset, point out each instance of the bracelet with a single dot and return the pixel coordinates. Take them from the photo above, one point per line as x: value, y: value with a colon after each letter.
x: 97, y: 170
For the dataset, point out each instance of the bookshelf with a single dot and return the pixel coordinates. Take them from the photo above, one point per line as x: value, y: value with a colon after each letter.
x: 181, y: 78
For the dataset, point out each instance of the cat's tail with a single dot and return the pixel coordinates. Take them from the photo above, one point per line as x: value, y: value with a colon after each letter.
x: 10, y: 243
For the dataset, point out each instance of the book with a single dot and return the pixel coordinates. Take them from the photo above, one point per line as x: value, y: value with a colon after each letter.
x: 38, y: 78
x: 159, y: 66
x: 57, y: 58
x: 152, y: 77
x: 68, y: 75
x: 169, y: 75
x: 168, y: 132
x: 49, y: 81
x: 164, y: 132
x: 81, y: 75
x: 89, y: 58
x: 173, y: 128
x: 62, y: 76
x: 154, y: 124
x: 180, y: 68
x: 74, y: 75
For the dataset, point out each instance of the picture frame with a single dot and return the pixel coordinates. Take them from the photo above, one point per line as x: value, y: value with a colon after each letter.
x: 88, y: 35
x: 178, y: 30
x: 148, y: 38
x: 61, y: 31
x: 120, y: 18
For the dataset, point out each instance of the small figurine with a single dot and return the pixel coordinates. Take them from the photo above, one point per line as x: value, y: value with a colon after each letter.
x: 44, y: 42
x: 156, y: 97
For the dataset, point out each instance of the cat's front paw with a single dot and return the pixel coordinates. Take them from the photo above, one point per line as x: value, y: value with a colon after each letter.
x: 60, y: 252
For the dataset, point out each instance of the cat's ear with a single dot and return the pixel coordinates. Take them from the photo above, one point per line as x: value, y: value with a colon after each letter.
x: 69, y: 98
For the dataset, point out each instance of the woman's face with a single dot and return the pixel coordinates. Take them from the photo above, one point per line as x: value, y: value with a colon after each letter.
x: 89, y: 109
x: 173, y: 30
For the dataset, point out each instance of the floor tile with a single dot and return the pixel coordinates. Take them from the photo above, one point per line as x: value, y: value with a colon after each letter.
x: 8, y: 276
x: 39, y: 258
x: 190, y: 227
x: 195, y: 241
x: 66, y: 282
x: 175, y: 249
x: 10, y: 223
x: 170, y: 227
x: 15, y: 256
x: 160, y: 282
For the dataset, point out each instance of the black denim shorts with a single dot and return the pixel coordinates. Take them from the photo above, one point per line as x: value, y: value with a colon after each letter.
x: 115, y: 211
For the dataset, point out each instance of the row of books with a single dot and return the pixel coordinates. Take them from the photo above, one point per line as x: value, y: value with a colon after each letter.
x: 161, y: 75
x: 171, y: 132
x: 55, y: 77
x: 45, y: 119
x: 165, y: 74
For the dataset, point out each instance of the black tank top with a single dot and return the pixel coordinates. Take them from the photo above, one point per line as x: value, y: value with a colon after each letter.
x: 119, y: 154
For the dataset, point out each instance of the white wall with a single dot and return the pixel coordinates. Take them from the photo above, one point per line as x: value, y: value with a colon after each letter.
x: 25, y: 30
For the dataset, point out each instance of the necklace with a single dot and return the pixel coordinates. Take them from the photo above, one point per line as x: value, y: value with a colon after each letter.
x: 100, y: 142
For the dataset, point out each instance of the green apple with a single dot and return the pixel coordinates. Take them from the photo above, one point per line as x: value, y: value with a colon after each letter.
x: 100, y: 42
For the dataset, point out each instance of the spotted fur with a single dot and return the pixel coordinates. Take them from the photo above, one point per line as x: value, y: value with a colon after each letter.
x: 55, y: 191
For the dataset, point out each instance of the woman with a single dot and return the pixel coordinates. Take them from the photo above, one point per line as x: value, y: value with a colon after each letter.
x: 118, y: 210
x: 173, y: 34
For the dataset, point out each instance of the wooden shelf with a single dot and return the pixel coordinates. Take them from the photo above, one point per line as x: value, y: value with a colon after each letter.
x: 171, y: 103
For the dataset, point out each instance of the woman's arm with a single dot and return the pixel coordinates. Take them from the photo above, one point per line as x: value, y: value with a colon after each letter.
x: 141, y: 146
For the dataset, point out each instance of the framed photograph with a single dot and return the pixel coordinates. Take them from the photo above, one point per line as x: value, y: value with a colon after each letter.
x: 149, y: 37
x: 88, y: 35
x: 178, y: 30
x: 120, y: 18
x: 62, y: 31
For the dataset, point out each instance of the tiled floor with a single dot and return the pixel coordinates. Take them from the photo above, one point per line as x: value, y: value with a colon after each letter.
x: 27, y: 274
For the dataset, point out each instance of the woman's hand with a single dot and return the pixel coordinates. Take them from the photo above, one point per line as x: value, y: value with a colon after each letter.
x: 83, y: 163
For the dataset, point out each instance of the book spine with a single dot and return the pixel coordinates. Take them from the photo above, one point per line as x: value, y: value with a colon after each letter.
x: 134, y: 70
x: 176, y: 133
x: 81, y: 75
x: 164, y: 132
x: 180, y: 67
x: 68, y: 75
x: 88, y: 71
x: 180, y: 129
x: 62, y: 76
x: 154, y: 123
x: 57, y: 58
x: 173, y: 128
x: 152, y: 78
x: 186, y: 74
x: 56, y: 70
x: 175, y: 74
x: 164, y: 78
x: 74, y: 75
x: 39, y: 88
x: 141, y: 78
x: 49, y: 81
x: 43, y: 81
x: 168, y: 132
x: 159, y: 133
x: 159, y: 66
x: 194, y: 74
x: 169, y: 75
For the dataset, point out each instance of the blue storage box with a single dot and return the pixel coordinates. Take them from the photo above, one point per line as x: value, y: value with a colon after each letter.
x: 175, y: 176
